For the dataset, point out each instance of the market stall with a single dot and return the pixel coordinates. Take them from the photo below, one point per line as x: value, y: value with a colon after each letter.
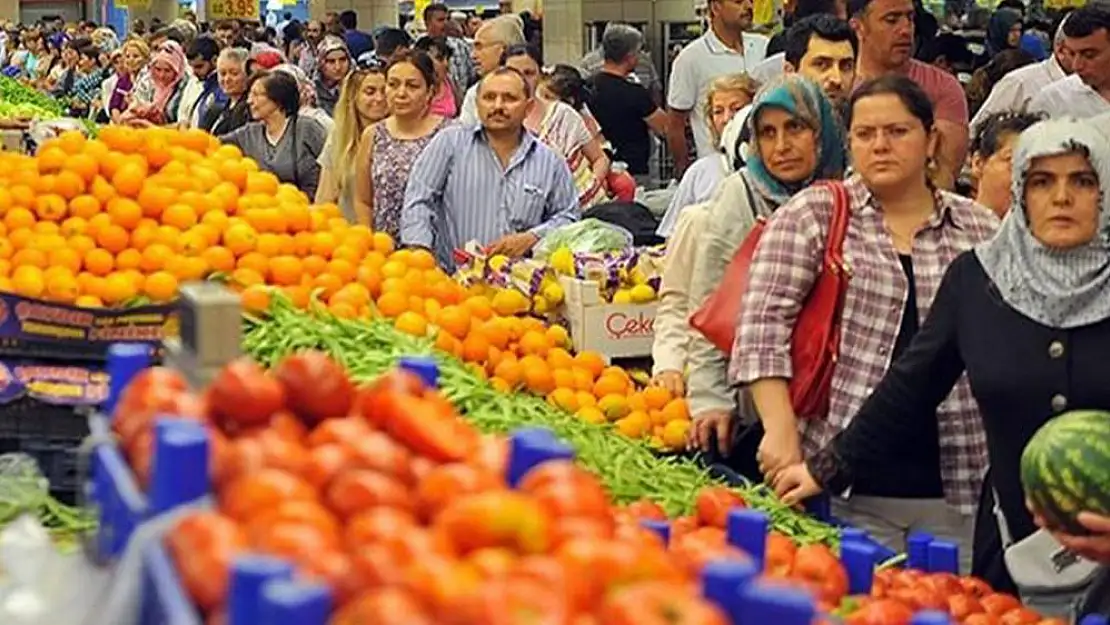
x: 341, y: 432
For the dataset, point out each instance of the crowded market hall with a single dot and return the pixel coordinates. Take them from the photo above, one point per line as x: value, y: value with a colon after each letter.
x: 410, y: 312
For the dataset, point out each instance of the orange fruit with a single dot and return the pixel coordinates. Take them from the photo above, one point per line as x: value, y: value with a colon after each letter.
x: 269, y: 244
x: 676, y: 410
x: 99, y: 262
x: 129, y: 258
x: 510, y: 370
x: 534, y: 342
x: 454, y: 320
x: 315, y: 265
x: 80, y: 243
x: 240, y: 239
x: 62, y: 287
x: 51, y: 207
x: 323, y: 243
x: 155, y: 198
x: 88, y: 301
x: 343, y: 310
x: 112, y: 238
x: 422, y: 259
x: 28, y: 281
x: 219, y: 258
x: 449, y: 344
x: 392, y: 304
x: 73, y: 226
x: 128, y: 179
x: 245, y: 277
x: 286, y: 270
x: 65, y: 257
x: 29, y: 257
x: 557, y: 336
x: 155, y: 257
x: 84, y: 166
x: 193, y: 243
x: 255, y: 299
x: 118, y: 288
x: 255, y: 261
x: 51, y: 159
x: 656, y: 397
x: 342, y: 269
x: 610, y: 385
x: 476, y: 348
x: 560, y: 358
x: 160, y: 286
x: 180, y: 216
x: 564, y: 398
x: 20, y: 238
x: 327, y: 283
x: 84, y: 206
x: 479, y: 307
x: 354, y: 294
x: 69, y: 184
x: 411, y: 323
x: 299, y: 295
x: 125, y: 212
x: 262, y: 182
x: 538, y: 378
x: 590, y: 361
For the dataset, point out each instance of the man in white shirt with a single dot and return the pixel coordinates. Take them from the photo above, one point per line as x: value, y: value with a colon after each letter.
x: 1087, y: 93
x: 1015, y: 90
x: 724, y: 49
x: 489, y: 44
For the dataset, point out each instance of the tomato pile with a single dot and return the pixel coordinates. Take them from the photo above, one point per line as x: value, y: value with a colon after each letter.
x: 403, y: 509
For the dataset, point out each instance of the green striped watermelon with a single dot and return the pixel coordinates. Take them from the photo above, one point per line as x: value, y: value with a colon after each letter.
x: 1065, y: 468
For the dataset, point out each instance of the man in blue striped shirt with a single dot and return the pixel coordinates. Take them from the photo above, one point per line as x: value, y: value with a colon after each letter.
x: 493, y: 183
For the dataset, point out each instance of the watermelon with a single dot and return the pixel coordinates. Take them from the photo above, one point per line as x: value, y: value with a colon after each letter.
x: 1065, y: 469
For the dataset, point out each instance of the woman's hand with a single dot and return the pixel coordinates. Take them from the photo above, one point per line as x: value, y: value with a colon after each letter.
x: 795, y: 484
x: 700, y: 436
x: 672, y: 381
x: 780, y: 448
x: 1095, y: 547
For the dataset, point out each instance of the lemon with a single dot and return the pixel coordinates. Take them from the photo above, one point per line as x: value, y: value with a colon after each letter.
x: 541, y: 305
x: 562, y: 261
x: 622, y: 296
x: 553, y: 293
x: 635, y: 425
x: 508, y: 302
x: 498, y: 262
x: 637, y: 277
x: 641, y: 293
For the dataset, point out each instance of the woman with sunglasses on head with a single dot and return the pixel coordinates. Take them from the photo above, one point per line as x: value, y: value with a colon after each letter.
x: 562, y: 129
x: 902, y: 233
x: 282, y: 141
x: 362, y: 103
x: 388, y: 148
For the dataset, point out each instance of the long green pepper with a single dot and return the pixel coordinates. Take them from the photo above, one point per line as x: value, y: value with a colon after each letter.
x: 629, y: 469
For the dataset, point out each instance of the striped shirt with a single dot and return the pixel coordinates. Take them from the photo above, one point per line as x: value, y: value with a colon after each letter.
x: 784, y: 269
x: 1070, y: 97
x: 459, y: 192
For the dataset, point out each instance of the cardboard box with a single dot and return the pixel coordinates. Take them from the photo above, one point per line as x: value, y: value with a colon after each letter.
x: 613, y: 330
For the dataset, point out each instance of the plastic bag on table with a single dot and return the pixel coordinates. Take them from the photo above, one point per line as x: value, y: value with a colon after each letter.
x: 590, y: 236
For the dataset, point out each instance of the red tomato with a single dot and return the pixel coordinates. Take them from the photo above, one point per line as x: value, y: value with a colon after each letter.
x: 378, y: 565
x: 281, y: 452
x: 778, y: 560
x: 558, y: 578
x: 492, y: 562
x: 296, y: 511
x: 1052, y: 621
x: 946, y: 584
x: 441, y: 582
x: 682, y: 526
x: 447, y: 482
x: 338, y: 432
x: 555, y: 472
x: 241, y: 456
x: 881, y: 612
x: 981, y: 619
x: 337, y: 572
x: 428, y: 427
x: 297, y: 541
x: 289, y: 426
x: 316, y: 387
x: 963, y: 606
x: 999, y: 603
x: 496, y: 519
x: 510, y: 601
x: 633, y: 532
x: 134, y: 396
x: 325, y: 462
x: 376, y: 524
x: 243, y: 393
x: 256, y: 492
x: 380, y: 453
x: 138, y: 419
x: 919, y: 598
x: 368, y: 401
x: 383, y: 606
x: 817, y: 565
x: 644, y: 509
x: 583, y: 499
x: 975, y: 587
x: 356, y: 490
x: 713, y: 504
x: 658, y: 603
x: 491, y: 454
x: 567, y: 528
x: 203, y: 545
x: 1020, y: 616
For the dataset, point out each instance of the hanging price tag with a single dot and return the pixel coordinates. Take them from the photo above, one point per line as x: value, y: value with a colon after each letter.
x: 233, y: 9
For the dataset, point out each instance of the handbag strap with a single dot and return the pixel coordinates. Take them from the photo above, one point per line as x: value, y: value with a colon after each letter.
x: 838, y: 223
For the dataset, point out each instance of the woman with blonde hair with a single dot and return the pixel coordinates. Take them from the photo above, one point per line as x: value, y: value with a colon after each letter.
x: 362, y: 103
x: 117, y: 94
x: 727, y: 95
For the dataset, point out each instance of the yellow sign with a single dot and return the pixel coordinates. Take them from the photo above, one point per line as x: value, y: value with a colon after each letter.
x: 418, y: 7
x: 232, y: 9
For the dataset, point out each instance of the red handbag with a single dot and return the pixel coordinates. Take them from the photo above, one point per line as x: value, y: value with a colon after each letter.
x: 815, y: 341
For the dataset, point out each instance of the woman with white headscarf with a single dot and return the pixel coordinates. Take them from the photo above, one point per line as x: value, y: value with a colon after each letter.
x: 1026, y: 316
x: 308, y: 96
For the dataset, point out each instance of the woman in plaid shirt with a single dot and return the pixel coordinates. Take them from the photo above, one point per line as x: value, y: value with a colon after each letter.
x: 903, y: 233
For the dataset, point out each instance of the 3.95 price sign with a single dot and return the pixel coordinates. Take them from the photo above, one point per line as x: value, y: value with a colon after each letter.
x: 233, y: 9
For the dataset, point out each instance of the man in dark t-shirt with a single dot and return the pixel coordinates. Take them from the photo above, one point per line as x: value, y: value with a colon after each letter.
x: 625, y: 110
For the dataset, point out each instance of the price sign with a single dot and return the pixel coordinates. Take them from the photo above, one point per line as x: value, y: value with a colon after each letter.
x: 233, y: 9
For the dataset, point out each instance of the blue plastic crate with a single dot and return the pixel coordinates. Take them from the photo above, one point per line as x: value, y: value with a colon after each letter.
x: 113, y: 491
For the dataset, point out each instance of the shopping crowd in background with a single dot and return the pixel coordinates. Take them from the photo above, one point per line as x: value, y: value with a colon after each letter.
x: 971, y: 201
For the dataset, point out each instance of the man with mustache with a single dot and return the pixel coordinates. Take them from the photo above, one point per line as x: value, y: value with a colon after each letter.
x: 886, y: 37
x: 492, y: 183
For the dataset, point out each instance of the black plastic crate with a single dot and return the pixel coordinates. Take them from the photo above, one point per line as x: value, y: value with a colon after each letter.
x: 52, y: 435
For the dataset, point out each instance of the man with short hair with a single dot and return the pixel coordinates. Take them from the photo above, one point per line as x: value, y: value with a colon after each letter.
x: 493, y: 183
x: 225, y: 32
x: 644, y: 73
x: 334, y: 65
x: 202, y: 90
x: 389, y: 45
x: 724, y: 49
x: 489, y: 44
x: 1087, y: 92
x: 823, y: 48
x: 1016, y: 90
x: 886, y: 38
x: 625, y: 109
x: 358, y: 42
x: 771, y: 67
x: 461, y: 65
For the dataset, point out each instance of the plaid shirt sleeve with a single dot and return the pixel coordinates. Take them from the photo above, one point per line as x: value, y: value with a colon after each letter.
x: 461, y: 66
x: 782, y: 272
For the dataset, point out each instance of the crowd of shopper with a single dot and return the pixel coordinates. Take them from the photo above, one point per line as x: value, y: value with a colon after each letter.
x: 971, y: 223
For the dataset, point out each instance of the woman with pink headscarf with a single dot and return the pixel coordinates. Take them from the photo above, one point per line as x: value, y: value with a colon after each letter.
x: 167, y: 80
